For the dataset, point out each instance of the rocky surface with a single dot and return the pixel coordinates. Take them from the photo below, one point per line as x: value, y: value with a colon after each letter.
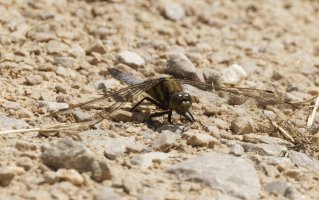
x: 56, y: 54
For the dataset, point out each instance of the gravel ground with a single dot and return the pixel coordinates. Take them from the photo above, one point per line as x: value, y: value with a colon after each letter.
x: 56, y: 53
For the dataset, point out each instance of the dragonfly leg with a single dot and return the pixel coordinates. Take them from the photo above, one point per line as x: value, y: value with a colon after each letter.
x: 190, y: 118
x: 161, y: 113
x: 170, y: 121
x: 150, y: 100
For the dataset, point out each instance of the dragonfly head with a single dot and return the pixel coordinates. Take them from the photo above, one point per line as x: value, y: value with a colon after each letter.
x: 180, y: 102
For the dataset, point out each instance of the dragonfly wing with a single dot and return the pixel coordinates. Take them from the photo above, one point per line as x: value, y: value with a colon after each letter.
x: 200, y: 85
x: 120, y: 97
x: 266, y: 96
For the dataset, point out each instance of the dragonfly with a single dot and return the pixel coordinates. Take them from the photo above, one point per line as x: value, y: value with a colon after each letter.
x: 166, y: 93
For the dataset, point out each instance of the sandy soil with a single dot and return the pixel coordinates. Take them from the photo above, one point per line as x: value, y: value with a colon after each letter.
x: 56, y: 53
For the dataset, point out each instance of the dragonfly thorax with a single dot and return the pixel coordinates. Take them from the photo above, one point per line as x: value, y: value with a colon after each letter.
x: 180, y: 102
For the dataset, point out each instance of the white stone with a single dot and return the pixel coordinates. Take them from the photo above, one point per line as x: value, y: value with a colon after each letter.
x: 131, y: 59
x: 173, y: 11
x: 233, y: 74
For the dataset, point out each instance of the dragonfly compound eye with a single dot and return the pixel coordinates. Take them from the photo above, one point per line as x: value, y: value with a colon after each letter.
x: 180, y: 102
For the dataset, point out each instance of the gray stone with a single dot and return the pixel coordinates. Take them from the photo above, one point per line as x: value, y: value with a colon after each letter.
x: 132, y: 185
x: 34, y: 79
x: 56, y: 47
x: 168, y: 127
x: 164, y: 142
x: 6, y: 176
x: 7, y: 123
x: 199, y: 139
x: 212, y: 76
x: 233, y: 74
x: 81, y: 116
x: 67, y: 62
x: 42, y: 36
x: 145, y: 160
x: 107, y: 84
x: 73, y: 155
x: 104, y: 32
x: 108, y: 194
x: 46, y: 15
x: 11, y: 105
x: 229, y: 174
x: 61, y: 71
x: 237, y: 150
x: 53, y: 106
x: 180, y: 66
x: 265, y: 149
x: 284, y: 189
x: 77, y: 51
x: 115, y: 148
x: 219, y: 123
x: 213, y: 131
x: 131, y: 59
x: 304, y: 160
x: 254, y: 138
x: 242, y: 125
x: 276, y: 161
x: 173, y: 11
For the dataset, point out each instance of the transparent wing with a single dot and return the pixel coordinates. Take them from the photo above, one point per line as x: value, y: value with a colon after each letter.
x: 200, y: 85
x: 120, y: 97
x: 266, y: 96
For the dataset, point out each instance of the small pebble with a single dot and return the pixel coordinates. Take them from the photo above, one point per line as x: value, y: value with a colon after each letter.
x: 25, y: 162
x: 77, y: 51
x: 50, y: 177
x: 52, y: 106
x: 121, y: 116
x: 180, y: 66
x: 163, y: 142
x: 42, y: 36
x: 108, y: 194
x: 173, y: 11
x: 6, y: 176
x: 46, y: 15
x: 24, y: 113
x: 25, y: 146
x: 62, y: 88
x: 233, y: 74
x: 7, y: 123
x: 199, y: 139
x: 237, y: 150
x: 70, y: 175
x: 81, y: 116
x: 242, y: 125
x: 131, y: 185
x: 66, y: 62
x: 145, y: 160
x: 34, y: 79
x: 56, y: 47
x: 107, y: 84
x: 97, y: 47
x: 131, y: 59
